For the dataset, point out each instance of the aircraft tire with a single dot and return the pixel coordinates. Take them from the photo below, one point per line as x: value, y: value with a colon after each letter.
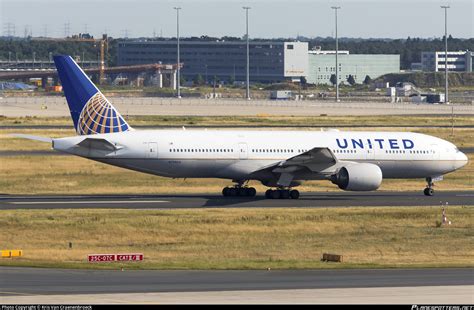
x: 428, y: 191
x: 225, y: 191
x: 268, y: 193
x: 284, y: 194
x: 251, y: 192
x: 294, y: 194
x: 275, y: 194
x: 233, y: 192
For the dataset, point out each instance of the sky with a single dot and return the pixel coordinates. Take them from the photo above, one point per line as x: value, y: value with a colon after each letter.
x: 267, y: 18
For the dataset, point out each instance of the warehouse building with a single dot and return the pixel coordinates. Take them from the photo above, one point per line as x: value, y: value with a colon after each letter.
x: 269, y: 61
x: 461, y: 61
x: 322, y: 64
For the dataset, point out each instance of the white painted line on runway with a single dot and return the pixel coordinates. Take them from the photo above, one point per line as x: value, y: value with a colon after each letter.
x: 84, y: 202
x: 465, y: 195
x: 458, y: 294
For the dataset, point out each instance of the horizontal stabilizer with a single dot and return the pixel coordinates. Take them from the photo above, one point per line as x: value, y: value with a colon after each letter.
x: 31, y: 137
x: 98, y: 144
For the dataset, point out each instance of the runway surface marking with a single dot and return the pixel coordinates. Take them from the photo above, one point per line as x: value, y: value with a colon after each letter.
x: 84, y: 202
x: 206, y: 200
x: 386, y: 295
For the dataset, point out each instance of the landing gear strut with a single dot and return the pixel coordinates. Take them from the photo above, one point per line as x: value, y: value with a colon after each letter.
x: 282, y: 194
x: 429, y: 191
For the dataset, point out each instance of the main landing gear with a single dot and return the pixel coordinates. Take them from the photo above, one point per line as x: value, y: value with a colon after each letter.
x: 239, y: 191
x: 429, y: 191
x: 282, y: 194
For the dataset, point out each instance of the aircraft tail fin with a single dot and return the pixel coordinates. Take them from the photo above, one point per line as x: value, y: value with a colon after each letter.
x: 91, y: 112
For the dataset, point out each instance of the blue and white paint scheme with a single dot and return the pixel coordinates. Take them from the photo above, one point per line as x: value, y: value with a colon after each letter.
x: 91, y: 112
x: 355, y: 161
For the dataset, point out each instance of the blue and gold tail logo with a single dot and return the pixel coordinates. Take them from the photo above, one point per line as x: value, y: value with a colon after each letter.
x: 91, y: 112
x: 99, y: 116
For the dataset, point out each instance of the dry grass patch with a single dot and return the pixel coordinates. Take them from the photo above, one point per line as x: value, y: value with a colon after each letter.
x: 243, y: 238
x: 268, y: 120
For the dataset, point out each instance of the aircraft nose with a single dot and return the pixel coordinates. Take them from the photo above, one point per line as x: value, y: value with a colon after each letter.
x: 461, y: 160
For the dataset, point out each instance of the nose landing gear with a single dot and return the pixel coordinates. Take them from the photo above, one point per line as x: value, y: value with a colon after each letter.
x: 429, y: 191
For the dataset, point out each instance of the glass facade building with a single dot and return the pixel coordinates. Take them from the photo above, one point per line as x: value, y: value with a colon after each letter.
x: 269, y: 61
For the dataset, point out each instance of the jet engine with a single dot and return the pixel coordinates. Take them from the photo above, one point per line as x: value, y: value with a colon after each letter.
x: 358, y: 177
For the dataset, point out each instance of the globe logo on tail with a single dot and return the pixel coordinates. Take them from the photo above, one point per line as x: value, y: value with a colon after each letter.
x: 99, y: 116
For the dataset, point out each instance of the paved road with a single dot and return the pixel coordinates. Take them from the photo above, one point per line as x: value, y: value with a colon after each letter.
x: 56, y: 106
x: 16, y: 281
x: 312, y: 200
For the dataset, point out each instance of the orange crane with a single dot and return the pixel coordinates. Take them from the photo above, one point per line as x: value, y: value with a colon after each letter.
x: 103, y: 45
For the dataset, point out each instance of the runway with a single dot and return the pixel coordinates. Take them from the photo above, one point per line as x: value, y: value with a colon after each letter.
x: 16, y: 281
x: 307, y: 200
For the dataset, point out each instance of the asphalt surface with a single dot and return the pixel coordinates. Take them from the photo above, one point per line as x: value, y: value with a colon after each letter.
x: 312, y: 200
x: 19, y: 281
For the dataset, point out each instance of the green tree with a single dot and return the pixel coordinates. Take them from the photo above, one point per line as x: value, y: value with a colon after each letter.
x: 198, y: 80
x: 351, y: 80
x: 333, y: 79
x: 231, y: 80
x: 367, y: 80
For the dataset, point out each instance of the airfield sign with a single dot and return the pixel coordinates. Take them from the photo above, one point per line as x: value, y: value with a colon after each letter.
x: 122, y: 257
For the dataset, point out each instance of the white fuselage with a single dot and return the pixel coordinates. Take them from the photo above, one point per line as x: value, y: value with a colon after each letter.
x: 237, y: 154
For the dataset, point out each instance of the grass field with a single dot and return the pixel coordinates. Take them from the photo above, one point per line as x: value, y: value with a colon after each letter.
x: 267, y: 120
x: 243, y: 238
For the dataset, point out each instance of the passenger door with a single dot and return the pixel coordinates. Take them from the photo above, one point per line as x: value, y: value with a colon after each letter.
x: 242, y: 149
x: 152, y: 150
x: 434, y: 150
x: 370, y: 155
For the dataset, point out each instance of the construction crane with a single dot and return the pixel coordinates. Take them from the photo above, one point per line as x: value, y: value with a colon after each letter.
x: 103, y: 45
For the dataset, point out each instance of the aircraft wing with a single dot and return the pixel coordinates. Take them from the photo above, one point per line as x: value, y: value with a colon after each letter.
x: 98, y: 144
x: 316, y: 160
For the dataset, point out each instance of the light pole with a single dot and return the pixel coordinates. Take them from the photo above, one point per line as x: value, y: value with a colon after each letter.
x: 445, y: 7
x: 335, y: 8
x: 177, y: 35
x: 247, y: 8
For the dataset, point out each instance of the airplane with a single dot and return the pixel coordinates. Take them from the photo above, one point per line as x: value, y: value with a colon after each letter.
x: 280, y: 160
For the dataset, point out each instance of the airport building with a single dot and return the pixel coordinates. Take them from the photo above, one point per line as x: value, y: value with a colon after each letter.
x: 269, y: 61
x: 461, y: 61
x: 322, y: 64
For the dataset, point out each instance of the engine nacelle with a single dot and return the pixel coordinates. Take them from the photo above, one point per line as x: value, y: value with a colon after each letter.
x: 358, y: 177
